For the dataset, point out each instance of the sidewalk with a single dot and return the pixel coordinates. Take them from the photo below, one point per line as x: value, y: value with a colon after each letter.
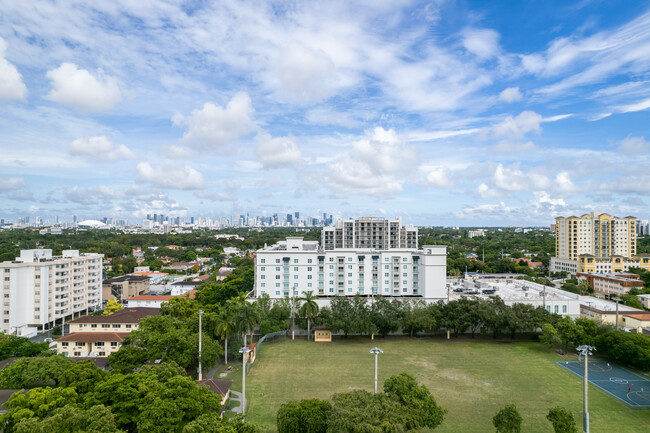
x: 236, y: 397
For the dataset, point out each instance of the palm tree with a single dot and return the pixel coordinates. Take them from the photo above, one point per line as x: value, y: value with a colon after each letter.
x: 309, y: 309
x: 225, y: 327
x: 247, y: 317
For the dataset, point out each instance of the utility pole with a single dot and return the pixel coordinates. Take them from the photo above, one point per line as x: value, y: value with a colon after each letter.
x: 200, y: 344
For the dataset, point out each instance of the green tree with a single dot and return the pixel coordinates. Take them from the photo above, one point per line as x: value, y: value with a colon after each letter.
x: 71, y: 419
x: 304, y: 416
x: 247, y: 316
x: 82, y: 376
x: 549, y: 335
x: 385, y: 315
x: 30, y: 372
x: 37, y: 403
x: 507, y: 420
x: 562, y: 420
x: 180, y: 307
x: 416, y: 399
x: 212, y: 423
x: 308, y: 309
x: 112, y: 306
x: 225, y: 326
x: 416, y: 317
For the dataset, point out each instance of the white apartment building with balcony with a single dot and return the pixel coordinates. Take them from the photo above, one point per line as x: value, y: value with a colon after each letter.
x: 38, y: 289
x: 295, y: 266
x: 369, y: 233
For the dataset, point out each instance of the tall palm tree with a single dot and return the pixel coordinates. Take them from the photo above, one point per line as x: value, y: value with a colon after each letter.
x: 247, y: 317
x: 309, y: 309
x: 225, y: 327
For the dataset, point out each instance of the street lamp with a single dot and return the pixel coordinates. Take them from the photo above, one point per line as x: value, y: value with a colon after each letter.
x: 244, y: 351
x: 586, y: 351
x: 200, y: 343
x: 376, y: 351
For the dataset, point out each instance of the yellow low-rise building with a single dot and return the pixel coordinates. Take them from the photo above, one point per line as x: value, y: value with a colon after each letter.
x: 322, y: 336
x: 637, y: 321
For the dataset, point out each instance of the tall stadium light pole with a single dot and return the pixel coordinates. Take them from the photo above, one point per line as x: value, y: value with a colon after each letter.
x: 617, y: 301
x: 200, y: 345
x: 244, y: 351
x: 376, y: 351
x: 586, y: 351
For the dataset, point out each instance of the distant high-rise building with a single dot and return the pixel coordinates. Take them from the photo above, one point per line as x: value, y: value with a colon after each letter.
x: 369, y: 232
x: 290, y: 218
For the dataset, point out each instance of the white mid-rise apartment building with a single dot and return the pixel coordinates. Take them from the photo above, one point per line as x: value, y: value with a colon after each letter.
x: 370, y: 233
x: 295, y: 266
x: 39, y: 289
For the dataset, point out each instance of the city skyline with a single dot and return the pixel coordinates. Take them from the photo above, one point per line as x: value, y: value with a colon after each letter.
x: 445, y: 113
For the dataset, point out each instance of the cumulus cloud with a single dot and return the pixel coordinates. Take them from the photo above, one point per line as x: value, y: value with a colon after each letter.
x: 439, y: 177
x: 517, y: 127
x: 511, y: 94
x: 278, y: 152
x: 514, y: 179
x: 11, y: 82
x: 214, y: 126
x: 484, y: 191
x: 170, y: 176
x: 633, y: 146
x: 376, y: 165
x: 544, y: 204
x: 483, y: 43
x: 82, y: 90
x: 11, y: 183
x: 100, y: 149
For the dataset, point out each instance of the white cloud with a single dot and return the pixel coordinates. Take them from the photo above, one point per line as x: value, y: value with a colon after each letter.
x: 376, y: 165
x: 511, y: 94
x: 170, y: 176
x: 11, y: 183
x: 11, y: 83
x: 100, y: 149
x: 637, y: 106
x: 518, y: 127
x: 214, y: 126
x: 510, y: 179
x: 544, y: 204
x: 634, y: 146
x: 485, y: 192
x: 176, y: 152
x: 482, y: 42
x: 278, y: 152
x: 439, y: 177
x: 82, y: 90
x: 92, y: 195
x: 305, y: 74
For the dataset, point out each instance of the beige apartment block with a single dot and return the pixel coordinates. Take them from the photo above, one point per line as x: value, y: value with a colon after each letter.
x: 369, y: 233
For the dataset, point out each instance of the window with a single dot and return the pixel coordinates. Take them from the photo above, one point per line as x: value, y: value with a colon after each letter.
x: 295, y: 277
x: 295, y: 269
x: 94, y: 325
x: 64, y: 344
x: 100, y: 344
x: 386, y: 275
x: 349, y: 274
x: 309, y: 277
x: 564, y: 308
x: 331, y: 266
x: 277, y: 285
x: 128, y: 326
x: 349, y: 259
x: 277, y: 269
x: 117, y: 326
x: 263, y: 268
x: 308, y: 284
x: 405, y: 259
x: 113, y: 343
x: 105, y: 326
x: 277, y: 260
x: 557, y: 309
x: 263, y: 277
x: 263, y: 260
x: 6, y: 278
x: 277, y: 293
x: 331, y: 259
x: 349, y: 266
x: 309, y: 260
x: 277, y: 277
x: 405, y: 275
x: 295, y: 260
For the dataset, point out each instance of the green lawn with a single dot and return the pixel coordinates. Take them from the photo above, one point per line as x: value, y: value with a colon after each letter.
x: 471, y: 379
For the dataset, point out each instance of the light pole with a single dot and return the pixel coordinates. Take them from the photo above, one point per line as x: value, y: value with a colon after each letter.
x: 376, y: 351
x: 586, y: 351
x: 244, y: 351
x: 200, y: 344
x: 617, y: 300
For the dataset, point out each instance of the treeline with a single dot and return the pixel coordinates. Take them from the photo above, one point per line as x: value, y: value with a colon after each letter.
x: 359, y: 315
x: 12, y: 346
x: 69, y: 396
x: 624, y: 347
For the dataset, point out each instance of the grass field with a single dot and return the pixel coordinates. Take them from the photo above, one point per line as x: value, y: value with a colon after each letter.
x: 471, y: 379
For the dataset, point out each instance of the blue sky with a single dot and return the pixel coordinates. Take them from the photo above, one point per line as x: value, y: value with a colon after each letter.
x: 443, y: 112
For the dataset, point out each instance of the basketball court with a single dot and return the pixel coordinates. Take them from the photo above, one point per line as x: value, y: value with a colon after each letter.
x: 622, y: 384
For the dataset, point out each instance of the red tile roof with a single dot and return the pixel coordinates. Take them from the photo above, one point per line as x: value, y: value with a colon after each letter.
x: 92, y: 337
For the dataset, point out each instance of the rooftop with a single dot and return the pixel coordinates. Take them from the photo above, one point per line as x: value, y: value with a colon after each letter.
x: 92, y: 337
x: 220, y: 387
x: 125, y: 315
x: 126, y: 278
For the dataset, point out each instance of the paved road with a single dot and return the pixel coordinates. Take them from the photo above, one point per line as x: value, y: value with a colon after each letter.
x: 47, y: 334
